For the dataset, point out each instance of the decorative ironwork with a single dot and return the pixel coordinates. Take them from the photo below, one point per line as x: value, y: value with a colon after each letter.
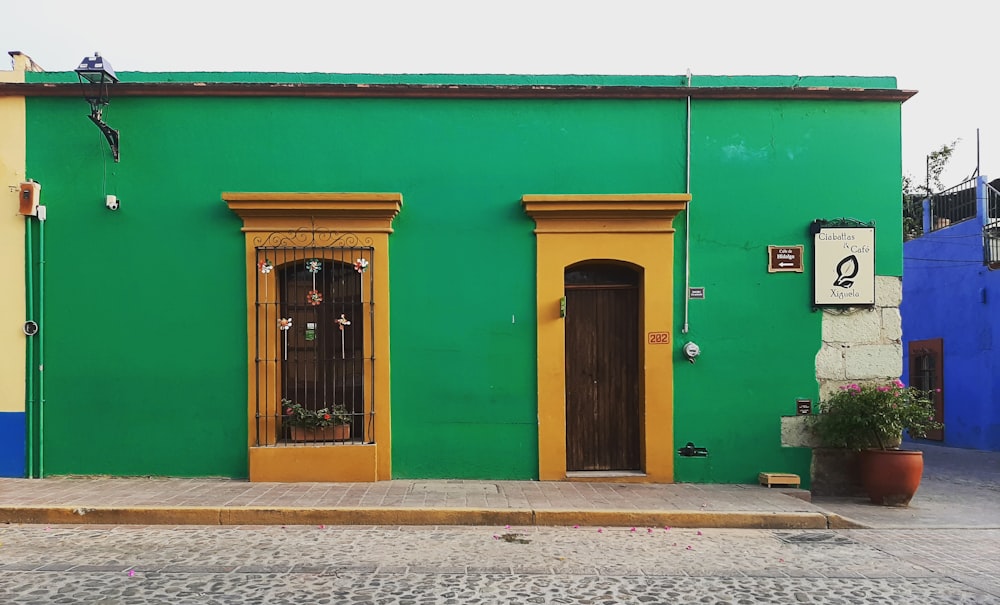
x: 315, y: 336
x: 820, y: 223
x: 312, y: 238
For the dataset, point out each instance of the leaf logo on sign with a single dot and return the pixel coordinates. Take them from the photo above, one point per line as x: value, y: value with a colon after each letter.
x: 847, y: 269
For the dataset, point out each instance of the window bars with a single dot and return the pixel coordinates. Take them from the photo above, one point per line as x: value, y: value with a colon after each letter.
x: 314, y: 354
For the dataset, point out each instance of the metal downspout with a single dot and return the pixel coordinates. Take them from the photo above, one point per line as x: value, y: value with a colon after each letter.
x: 687, y: 214
x: 29, y: 403
x: 41, y: 341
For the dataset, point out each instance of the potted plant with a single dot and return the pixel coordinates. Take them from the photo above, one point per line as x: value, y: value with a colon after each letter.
x: 323, y: 424
x: 871, y: 418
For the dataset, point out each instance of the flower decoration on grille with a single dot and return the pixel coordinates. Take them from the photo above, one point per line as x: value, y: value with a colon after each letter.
x: 361, y: 265
x: 314, y: 265
x: 265, y: 266
x: 285, y: 323
x: 343, y: 321
x: 314, y: 297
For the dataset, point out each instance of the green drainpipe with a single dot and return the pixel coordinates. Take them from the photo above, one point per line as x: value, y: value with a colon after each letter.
x: 41, y: 341
x: 29, y: 403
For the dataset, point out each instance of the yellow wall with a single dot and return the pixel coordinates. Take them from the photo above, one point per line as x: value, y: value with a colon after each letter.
x: 12, y: 312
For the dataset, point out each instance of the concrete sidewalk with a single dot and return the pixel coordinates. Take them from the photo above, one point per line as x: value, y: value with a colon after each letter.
x: 399, y: 502
x: 961, y: 488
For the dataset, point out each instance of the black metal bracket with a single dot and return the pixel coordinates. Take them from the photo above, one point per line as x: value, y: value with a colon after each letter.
x: 109, y: 133
x: 690, y: 451
x: 842, y: 222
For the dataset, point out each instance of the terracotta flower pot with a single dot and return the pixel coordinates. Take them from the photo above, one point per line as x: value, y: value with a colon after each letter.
x: 336, y: 432
x: 891, y: 477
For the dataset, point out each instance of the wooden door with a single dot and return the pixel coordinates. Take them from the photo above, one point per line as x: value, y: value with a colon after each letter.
x: 602, y: 369
x: 927, y: 374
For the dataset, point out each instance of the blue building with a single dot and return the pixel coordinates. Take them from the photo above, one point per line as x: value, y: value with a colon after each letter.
x: 951, y: 310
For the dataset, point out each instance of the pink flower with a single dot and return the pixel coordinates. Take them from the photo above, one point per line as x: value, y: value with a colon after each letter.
x: 898, y: 383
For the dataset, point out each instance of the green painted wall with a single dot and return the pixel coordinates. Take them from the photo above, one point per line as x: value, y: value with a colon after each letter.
x: 146, y: 336
x: 761, y: 172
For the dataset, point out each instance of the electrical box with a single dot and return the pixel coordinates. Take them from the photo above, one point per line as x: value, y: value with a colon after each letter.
x: 30, y: 192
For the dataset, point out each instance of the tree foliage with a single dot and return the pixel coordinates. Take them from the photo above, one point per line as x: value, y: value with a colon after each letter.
x: 914, y: 193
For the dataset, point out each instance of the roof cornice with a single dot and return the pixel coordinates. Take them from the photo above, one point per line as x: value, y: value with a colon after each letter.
x: 460, y: 91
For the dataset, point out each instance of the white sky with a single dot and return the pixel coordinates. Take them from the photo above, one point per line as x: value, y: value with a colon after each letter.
x: 947, y: 50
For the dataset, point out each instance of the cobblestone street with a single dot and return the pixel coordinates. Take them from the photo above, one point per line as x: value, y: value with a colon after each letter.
x: 410, y: 565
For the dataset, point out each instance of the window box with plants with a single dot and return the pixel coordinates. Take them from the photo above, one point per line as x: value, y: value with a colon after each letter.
x: 871, y: 418
x: 323, y: 424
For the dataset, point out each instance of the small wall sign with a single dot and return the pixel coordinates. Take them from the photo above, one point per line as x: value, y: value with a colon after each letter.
x: 784, y: 259
x: 696, y: 293
x: 844, y: 270
x: 803, y: 407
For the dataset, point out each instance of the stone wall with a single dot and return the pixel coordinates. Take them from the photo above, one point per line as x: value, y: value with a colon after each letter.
x: 862, y: 343
x: 858, y: 344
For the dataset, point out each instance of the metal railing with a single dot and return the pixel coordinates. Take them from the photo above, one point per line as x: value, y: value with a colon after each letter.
x: 991, y: 230
x: 953, y: 205
x: 991, y: 244
x: 993, y: 200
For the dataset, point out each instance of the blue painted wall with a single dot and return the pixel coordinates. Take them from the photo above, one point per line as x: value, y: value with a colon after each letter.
x: 949, y: 293
x: 11, y: 444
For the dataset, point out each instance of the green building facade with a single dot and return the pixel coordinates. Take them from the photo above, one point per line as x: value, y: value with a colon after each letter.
x: 158, y: 358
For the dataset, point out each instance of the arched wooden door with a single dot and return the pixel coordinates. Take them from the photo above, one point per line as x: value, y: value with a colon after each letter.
x: 602, y: 368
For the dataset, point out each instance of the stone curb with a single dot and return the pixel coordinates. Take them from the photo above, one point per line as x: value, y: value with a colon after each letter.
x: 262, y: 515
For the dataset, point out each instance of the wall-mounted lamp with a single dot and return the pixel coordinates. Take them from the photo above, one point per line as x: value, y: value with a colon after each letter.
x: 96, y: 76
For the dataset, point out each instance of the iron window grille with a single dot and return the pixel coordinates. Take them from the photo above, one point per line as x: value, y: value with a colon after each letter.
x: 315, y: 336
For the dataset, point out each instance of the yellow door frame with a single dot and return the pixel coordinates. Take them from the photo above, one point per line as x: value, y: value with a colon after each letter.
x: 631, y: 228
x: 369, y: 217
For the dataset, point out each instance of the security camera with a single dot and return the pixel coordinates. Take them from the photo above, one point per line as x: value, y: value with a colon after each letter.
x: 112, y: 202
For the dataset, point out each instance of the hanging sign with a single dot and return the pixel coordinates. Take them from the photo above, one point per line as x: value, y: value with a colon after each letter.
x: 844, y: 269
